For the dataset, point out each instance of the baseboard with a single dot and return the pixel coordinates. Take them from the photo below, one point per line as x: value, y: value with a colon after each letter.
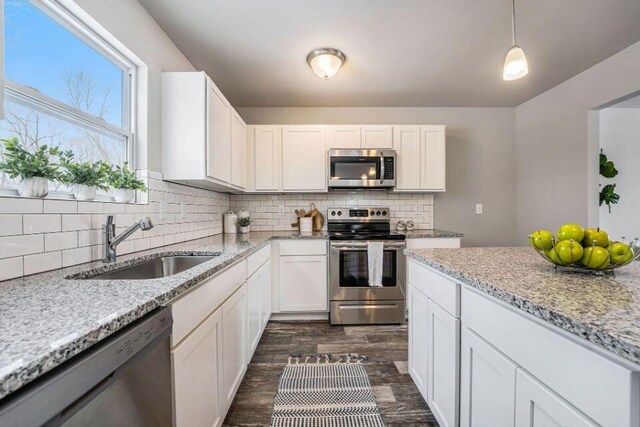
x: 300, y: 316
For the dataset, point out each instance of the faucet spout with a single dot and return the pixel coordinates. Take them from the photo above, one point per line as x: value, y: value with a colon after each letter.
x: 111, y: 241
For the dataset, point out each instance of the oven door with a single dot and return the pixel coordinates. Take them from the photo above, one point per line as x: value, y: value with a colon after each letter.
x: 349, y: 272
x: 363, y: 168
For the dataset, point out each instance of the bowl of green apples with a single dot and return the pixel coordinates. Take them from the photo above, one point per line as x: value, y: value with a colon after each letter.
x: 586, y: 250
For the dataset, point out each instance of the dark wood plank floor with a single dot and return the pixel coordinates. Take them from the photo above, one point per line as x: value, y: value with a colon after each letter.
x: 398, y: 398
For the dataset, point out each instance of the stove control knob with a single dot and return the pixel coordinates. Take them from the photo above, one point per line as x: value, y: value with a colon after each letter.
x: 339, y: 213
x: 384, y: 213
x: 378, y: 213
x: 333, y: 213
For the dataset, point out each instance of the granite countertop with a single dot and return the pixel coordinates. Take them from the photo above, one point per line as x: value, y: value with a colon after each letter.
x: 431, y: 233
x: 47, y: 319
x: 603, y: 310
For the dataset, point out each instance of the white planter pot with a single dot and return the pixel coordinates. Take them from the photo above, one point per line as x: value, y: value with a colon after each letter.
x: 244, y: 230
x: 123, y: 195
x: 84, y: 192
x: 33, y: 187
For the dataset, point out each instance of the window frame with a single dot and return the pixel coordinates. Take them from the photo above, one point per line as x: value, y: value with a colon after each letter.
x: 32, y: 98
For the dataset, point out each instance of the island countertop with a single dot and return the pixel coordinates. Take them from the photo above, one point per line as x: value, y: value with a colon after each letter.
x: 603, y: 310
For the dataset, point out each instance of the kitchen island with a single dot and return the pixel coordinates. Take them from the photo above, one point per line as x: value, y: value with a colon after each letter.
x: 503, y: 336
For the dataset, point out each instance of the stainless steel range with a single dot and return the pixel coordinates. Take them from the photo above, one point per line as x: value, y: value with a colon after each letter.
x: 353, y: 300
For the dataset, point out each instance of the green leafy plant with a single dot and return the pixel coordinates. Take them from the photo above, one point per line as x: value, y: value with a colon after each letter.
x: 20, y: 163
x: 608, y: 194
x: 85, y: 173
x: 244, y: 221
x: 125, y: 178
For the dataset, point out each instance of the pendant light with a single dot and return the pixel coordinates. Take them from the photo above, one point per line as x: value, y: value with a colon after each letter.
x: 515, y: 64
x: 326, y: 62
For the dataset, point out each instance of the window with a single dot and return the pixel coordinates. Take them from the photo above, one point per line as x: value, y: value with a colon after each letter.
x: 64, y: 86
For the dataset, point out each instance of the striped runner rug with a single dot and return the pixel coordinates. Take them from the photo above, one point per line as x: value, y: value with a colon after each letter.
x: 322, y: 391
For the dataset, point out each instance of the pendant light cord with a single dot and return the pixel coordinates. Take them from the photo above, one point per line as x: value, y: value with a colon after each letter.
x: 513, y: 21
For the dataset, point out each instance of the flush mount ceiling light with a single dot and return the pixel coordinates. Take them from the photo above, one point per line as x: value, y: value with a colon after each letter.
x: 515, y: 64
x: 326, y: 62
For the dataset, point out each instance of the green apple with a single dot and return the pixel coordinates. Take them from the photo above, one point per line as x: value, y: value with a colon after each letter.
x: 541, y: 240
x: 553, y: 256
x: 596, y: 258
x: 619, y: 253
x: 569, y: 251
x: 571, y: 231
x: 595, y: 236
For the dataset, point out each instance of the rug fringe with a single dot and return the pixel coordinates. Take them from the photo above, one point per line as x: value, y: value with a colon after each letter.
x: 300, y: 359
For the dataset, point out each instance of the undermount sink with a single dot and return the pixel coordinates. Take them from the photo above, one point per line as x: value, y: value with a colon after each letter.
x: 154, y: 268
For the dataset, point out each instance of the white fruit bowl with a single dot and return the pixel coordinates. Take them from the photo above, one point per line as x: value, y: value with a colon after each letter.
x: 579, y: 267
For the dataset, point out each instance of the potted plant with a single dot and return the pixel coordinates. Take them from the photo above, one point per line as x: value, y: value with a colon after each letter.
x: 244, y: 224
x: 33, y: 169
x: 87, y: 177
x: 124, y: 182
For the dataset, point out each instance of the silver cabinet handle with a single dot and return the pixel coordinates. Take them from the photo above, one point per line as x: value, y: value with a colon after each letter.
x: 381, y: 167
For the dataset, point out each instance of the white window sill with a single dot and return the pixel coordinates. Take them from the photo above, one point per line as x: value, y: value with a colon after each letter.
x: 63, y: 195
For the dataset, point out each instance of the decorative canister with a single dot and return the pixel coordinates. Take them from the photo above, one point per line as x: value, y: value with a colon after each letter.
x: 410, y: 225
x: 401, y: 226
x: 306, y: 225
x: 230, y: 223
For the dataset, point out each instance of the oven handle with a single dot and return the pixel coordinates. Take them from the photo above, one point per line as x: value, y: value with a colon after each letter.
x: 381, y: 167
x: 360, y: 245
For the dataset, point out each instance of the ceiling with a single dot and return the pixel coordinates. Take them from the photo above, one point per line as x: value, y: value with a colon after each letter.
x: 633, y: 102
x: 399, y: 52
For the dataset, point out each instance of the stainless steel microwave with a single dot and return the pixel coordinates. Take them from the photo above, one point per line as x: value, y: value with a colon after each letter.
x: 362, y: 168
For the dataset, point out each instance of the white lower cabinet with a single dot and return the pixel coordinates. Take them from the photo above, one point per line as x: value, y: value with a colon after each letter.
x: 487, y: 384
x: 538, y: 406
x: 303, y: 283
x: 443, y: 336
x: 233, y: 346
x: 418, y: 339
x: 254, y: 318
x: 265, y: 294
x: 195, y: 362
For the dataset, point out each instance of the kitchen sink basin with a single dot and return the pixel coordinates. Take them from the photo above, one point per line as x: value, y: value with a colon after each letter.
x: 154, y: 268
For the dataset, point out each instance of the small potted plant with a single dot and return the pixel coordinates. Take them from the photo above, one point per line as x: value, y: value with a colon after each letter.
x: 244, y: 224
x: 33, y: 169
x: 124, y: 182
x: 86, y: 177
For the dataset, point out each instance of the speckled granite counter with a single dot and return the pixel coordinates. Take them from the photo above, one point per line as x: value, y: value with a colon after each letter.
x: 431, y: 233
x: 46, y: 319
x: 603, y: 310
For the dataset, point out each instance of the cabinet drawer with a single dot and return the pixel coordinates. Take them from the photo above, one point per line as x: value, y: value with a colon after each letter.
x: 191, y: 309
x: 255, y: 261
x: 605, y: 391
x: 303, y: 247
x: 440, y: 289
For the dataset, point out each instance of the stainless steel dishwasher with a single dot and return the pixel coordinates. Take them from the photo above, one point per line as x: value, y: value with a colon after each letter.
x: 124, y: 380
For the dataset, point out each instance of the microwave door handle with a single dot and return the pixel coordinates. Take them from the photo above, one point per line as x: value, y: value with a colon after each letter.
x: 381, y: 167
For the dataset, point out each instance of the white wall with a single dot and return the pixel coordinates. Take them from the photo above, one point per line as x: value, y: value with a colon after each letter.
x: 620, y: 140
x: 480, y: 160
x: 130, y: 23
x: 556, y: 160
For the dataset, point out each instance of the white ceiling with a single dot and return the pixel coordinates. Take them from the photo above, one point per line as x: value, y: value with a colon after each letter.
x: 399, y: 52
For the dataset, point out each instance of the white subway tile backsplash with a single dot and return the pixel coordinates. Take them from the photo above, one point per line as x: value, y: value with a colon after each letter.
x: 60, y: 206
x: 21, y: 206
x: 89, y: 237
x: 36, y: 224
x: 10, y: 225
x: 42, y: 262
x: 59, y: 241
x: 90, y: 207
x: 21, y: 245
x: 76, y: 222
x: 76, y: 256
x: 11, y: 268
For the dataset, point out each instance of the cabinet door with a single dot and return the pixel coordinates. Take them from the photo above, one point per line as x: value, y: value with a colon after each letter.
x: 254, y: 318
x: 443, y: 335
x: 234, y: 339
x: 377, y: 137
x: 266, y: 151
x: 304, y: 158
x: 218, y: 134
x: 303, y: 283
x: 538, y: 406
x: 406, y: 142
x: 195, y: 366
x: 342, y: 137
x: 265, y: 293
x: 433, y: 158
x: 418, y: 339
x: 238, y: 150
x: 487, y: 384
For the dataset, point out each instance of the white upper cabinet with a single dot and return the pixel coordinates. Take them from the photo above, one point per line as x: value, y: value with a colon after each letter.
x: 304, y: 161
x: 238, y: 150
x: 343, y: 137
x: 264, y: 158
x: 433, y: 157
x: 377, y: 137
x: 406, y: 142
x: 198, y: 125
x: 421, y: 152
x: 218, y: 134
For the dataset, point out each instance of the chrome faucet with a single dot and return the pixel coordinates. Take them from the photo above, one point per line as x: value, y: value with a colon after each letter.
x: 110, y: 241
